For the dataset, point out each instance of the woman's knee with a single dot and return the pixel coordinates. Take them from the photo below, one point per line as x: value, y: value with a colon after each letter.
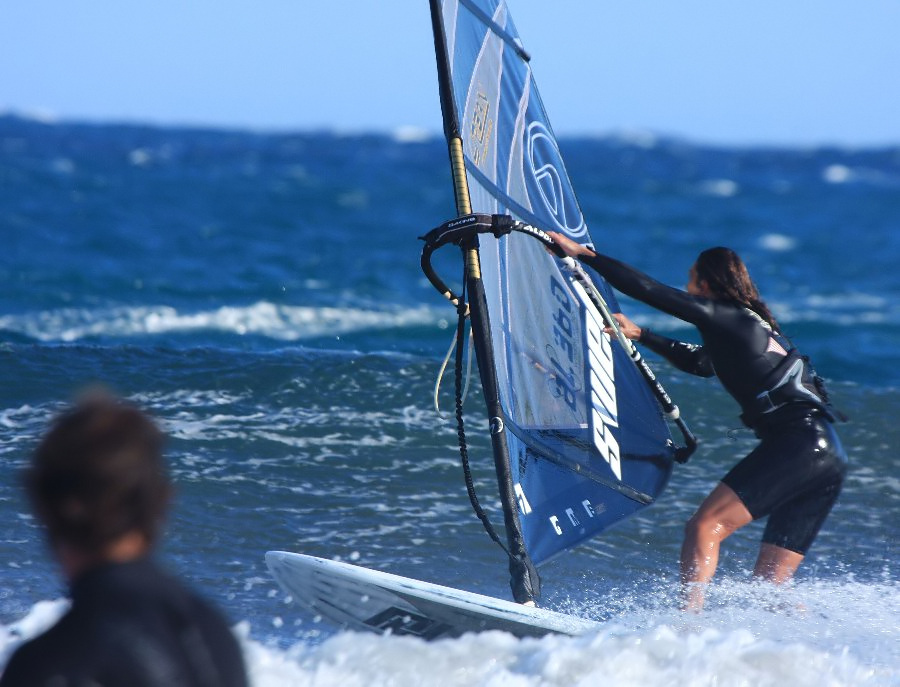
x: 719, y: 515
x: 712, y: 526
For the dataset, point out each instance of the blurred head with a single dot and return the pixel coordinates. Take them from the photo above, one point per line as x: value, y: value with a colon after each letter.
x: 98, y: 475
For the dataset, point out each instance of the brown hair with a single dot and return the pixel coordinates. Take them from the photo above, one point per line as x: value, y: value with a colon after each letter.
x: 98, y: 474
x: 728, y: 278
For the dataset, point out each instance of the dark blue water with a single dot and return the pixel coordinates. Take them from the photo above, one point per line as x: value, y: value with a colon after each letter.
x: 261, y: 294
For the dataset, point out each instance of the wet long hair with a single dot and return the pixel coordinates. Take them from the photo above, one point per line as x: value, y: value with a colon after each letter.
x: 728, y: 279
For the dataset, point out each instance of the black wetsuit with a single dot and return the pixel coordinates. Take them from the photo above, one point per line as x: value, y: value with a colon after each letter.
x: 131, y: 625
x: 795, y: 474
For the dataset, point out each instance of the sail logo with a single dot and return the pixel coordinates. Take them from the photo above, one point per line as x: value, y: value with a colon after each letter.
x: 550, y: 182
x: 399, y: 621
x: 589, y: 511
x: 481, y: 128
x: 604, y: 407
x: 600, y: 373
x: 563, y: 382
x: 602, y: 384
x: 524, y: 506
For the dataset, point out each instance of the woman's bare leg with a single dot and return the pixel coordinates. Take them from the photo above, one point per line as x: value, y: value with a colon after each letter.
x: 776, y: 564
x: 720, y: 514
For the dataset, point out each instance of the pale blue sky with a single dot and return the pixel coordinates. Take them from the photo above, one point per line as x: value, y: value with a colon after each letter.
x: 768, y: 71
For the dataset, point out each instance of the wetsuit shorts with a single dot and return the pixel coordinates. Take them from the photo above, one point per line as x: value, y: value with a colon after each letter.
x: 794, y: 476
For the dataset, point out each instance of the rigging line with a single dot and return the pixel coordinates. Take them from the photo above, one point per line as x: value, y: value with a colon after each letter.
x: 671, y: 411
x: 463, y: 444
x: 443, y: 369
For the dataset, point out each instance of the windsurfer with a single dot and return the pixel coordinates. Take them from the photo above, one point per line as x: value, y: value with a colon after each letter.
x: 795, y: 474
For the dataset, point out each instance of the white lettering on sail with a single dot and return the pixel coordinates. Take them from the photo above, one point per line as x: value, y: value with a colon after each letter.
x: 604, y: 407
x: 481, y: 128
x: 555, y: 522
x: 604, y: 412
x: 570, y: 513
x: 588, y: 508
x: 564, y: 382
x: 524, y: 506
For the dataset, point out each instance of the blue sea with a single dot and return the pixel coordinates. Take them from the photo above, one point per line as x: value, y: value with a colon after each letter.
x: 261, y: 294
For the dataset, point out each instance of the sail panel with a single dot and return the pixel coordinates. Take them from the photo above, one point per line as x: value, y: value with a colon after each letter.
x: 588, y: 443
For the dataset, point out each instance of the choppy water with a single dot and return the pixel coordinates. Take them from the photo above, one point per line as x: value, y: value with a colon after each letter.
x: 261, y: 294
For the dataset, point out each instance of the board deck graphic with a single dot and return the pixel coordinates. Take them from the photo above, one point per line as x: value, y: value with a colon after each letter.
x: 362, y: 599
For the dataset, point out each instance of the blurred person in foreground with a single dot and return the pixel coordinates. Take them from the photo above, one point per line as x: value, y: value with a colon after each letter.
x: 99, y: 484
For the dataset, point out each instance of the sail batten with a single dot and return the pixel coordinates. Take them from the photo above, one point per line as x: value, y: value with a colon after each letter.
x: 496, y: 28
x: 585, y: 443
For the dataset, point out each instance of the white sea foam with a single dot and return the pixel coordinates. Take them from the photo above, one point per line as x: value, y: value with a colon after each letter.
x: 356, y: 199
x: 281, y: 322
x: 298, y: 323
x: 62, y: 165
x: 841, y: 309
x: 818, y: 637
x: 777, y: 242
x: 724, y: 188
x: 837, y: 174
x: 846, y: 309
x: 35, y: 114
x: 286, y: 425
x: 721, y: 648
x: 842, y: 174
x: 640, y: 138
x: 850, y: 300
x: 140, y: 157
x: 412, y: 134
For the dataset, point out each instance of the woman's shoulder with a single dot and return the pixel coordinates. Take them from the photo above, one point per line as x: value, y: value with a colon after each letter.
x: 731, y: 321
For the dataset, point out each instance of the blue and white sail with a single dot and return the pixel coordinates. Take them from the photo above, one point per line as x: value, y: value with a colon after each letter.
x: 586, y: 441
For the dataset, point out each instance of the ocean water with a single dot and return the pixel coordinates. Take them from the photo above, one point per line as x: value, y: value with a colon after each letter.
x: 261, y: 295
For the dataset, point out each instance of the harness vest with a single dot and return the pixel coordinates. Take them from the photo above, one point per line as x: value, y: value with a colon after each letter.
x: 795, y: 382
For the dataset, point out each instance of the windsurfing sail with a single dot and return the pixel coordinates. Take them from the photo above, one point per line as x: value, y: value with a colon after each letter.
x: 579, y: 438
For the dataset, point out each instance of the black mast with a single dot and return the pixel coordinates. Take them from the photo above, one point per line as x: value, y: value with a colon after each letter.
x: 523, y: 575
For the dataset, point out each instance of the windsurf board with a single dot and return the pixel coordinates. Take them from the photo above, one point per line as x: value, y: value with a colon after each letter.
x: 363, y: 599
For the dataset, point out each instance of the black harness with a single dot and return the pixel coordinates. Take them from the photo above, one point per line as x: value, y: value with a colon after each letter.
x: 796, y: 382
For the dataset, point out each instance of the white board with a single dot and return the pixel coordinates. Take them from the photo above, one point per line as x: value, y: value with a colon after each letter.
x: 362, y: 599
